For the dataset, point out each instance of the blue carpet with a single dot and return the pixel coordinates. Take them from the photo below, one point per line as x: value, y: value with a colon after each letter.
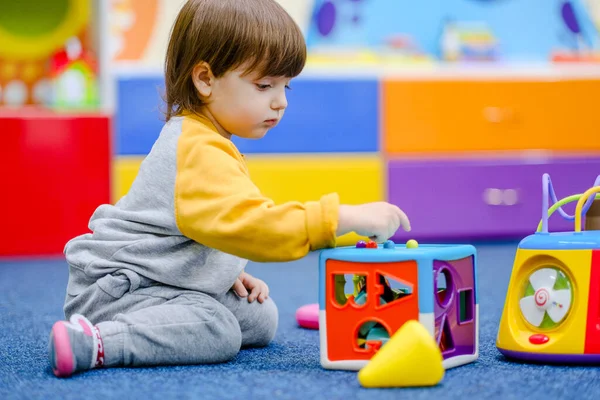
x: 31, y: 297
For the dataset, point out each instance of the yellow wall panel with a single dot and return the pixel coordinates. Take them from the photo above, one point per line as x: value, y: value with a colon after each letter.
x: 356, y: 178
x: 125, y: 169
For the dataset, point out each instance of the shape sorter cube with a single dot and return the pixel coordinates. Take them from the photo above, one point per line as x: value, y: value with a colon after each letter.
x: 368, y: 291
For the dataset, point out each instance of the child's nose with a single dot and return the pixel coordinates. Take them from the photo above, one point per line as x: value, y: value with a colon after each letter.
x: 280, y: 102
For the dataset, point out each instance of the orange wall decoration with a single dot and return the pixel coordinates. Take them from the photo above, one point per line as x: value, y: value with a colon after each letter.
x: 139, y: 31
x: 132, y: 24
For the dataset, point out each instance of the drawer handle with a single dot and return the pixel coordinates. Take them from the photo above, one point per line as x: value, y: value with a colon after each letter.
x: 500, y: 197
x: 497, y: 115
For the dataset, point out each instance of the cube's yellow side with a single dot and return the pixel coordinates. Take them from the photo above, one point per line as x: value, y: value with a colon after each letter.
x: 567, y: 338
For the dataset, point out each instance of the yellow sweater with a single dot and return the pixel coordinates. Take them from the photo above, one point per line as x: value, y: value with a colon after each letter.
x: 218, y: 205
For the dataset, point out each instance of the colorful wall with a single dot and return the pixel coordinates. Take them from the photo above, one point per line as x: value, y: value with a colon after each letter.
x: 527, y: 30
x: 464, y: 157
x: 40, y: 44
x: 55, y: 153
x: 378, y: 114
x: 324, y: 145
x: 460, y: 147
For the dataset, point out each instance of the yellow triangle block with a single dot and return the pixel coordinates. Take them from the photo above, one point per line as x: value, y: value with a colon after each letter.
x: 410, y: 358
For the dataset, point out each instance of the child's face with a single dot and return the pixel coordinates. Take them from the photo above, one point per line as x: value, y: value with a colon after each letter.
x: 246, y: 105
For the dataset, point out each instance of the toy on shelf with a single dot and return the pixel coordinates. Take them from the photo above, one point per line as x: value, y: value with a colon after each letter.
x: 403, y: 48
x: 552, y: 308
x: 468, y: 41
x: 368, y: 291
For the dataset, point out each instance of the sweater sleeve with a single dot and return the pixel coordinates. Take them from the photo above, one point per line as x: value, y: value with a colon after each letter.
x: 218, y: 205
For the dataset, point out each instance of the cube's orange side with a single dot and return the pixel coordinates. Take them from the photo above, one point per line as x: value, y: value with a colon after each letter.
x: 343, y: 322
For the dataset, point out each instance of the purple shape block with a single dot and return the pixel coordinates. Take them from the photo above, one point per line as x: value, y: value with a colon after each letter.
x: 459, y: 332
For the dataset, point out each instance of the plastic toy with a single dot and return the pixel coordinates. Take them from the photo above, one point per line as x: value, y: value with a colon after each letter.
x: 308, y: 316
x: 552, y: 308
x: 368, y: 291
x: 410, y: 358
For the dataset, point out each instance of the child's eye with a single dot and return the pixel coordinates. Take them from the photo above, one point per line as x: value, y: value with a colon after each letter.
x: 262, y: 87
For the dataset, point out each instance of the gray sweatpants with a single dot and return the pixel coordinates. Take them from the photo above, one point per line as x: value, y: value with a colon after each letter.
x: 164, y: 325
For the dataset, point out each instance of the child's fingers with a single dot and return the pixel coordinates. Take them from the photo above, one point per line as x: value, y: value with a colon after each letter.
x: 254, y: 293
x: 260, y: 292
x: 396, y: 224
x: 239, y: 288
x: 404, y: 221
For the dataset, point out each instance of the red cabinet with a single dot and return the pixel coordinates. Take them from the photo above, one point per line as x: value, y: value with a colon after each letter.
x: 54, y: 172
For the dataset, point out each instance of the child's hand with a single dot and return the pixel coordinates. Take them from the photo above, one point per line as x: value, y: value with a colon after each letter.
x: 379, y: 221
x: 258, y: 289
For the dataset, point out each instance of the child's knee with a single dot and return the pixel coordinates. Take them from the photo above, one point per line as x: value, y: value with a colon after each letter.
x: 227, y: 336
x: 271, y: 320
x: 265, y: 325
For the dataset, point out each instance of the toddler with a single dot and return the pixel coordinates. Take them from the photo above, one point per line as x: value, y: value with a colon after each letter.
x: 160, y: 280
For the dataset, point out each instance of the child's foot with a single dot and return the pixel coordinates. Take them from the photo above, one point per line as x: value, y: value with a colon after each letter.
x: 75, y: 346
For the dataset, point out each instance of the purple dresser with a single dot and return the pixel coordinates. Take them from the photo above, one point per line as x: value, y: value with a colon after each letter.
x: 470, y: 199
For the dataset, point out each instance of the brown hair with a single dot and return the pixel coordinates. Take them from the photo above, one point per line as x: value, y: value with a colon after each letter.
x: 227, y: 34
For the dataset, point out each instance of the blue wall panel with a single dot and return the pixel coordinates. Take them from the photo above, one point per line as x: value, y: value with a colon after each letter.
x: 322, y: 116
x: 139, y: 117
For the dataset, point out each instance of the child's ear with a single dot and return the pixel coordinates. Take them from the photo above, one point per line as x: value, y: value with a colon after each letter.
x: 203, y: 79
